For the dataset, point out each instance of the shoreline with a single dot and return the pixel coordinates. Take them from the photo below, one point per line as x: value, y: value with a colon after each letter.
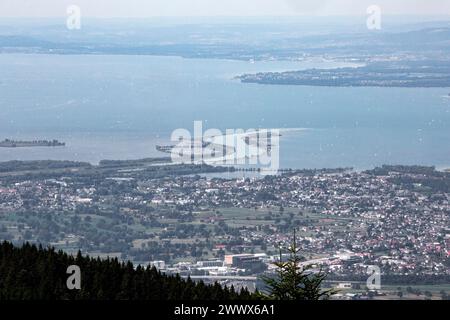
x: 235, y: 169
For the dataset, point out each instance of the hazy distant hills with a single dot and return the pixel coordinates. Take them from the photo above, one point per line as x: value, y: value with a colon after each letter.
x: 404, y: 58
x: 18, y: 42
x: 230, y: 41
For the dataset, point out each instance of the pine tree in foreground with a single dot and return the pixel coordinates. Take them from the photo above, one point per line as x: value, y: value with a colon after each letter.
x: 295, y: 282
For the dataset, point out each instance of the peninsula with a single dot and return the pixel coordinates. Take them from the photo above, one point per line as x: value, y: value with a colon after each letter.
x: 412, y: 74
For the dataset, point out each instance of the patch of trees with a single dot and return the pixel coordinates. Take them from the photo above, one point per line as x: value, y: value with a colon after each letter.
x: 265, y: 196
x: 15, y: 165
x: 35, y: 273
x: 385, y: 169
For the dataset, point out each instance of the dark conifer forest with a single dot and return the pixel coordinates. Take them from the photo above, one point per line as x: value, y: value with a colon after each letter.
x: 36, y: 273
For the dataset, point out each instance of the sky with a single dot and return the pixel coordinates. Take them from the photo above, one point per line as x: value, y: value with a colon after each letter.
x: 205, y: 8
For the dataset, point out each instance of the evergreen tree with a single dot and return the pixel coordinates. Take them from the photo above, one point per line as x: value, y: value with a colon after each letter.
x: 295, y: 282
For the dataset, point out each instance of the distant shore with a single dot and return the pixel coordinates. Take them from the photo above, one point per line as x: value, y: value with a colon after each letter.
x: 407, y: 74
x: 7, y: 143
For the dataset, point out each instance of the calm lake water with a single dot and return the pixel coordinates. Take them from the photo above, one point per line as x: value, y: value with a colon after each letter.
x: 120, y: 107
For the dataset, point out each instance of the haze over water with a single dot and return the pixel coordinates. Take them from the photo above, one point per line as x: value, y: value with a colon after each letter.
x: 120, y: 107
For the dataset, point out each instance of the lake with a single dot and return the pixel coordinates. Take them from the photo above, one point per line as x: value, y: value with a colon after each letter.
x: 120, y: 107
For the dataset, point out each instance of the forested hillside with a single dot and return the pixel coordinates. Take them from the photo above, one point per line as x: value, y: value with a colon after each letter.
x: 31, y: 272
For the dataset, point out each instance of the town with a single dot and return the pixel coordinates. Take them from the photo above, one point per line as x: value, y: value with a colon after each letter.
x: 219, y: 224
